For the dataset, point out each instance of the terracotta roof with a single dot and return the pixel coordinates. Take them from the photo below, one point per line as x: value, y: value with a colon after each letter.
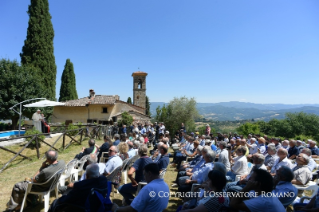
x: 132, y: 111
x: 97, y: 100
x: 139, y: 73
x: 130, y: 104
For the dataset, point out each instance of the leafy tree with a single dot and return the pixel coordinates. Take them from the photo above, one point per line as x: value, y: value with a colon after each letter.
x: 181, y: 110
x: 127, y: 119
x: 68, y: 85
x: 147, y: 106
x: 17, y: 84
x: 158, y: 113
x: 38, y: 47
x: 129, y: 100
x: 248, y: 128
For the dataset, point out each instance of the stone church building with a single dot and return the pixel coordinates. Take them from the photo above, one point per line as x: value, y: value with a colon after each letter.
x: 105, y: 109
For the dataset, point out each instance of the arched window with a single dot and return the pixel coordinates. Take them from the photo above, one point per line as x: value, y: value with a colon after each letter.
x: 139, y: 84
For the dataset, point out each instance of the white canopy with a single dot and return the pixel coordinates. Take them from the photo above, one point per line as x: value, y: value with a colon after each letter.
x: 44, y: 103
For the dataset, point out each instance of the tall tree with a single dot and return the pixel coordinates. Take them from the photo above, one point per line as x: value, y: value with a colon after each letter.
x: 68, y: 85
x: 147, y: 106
x: 129, y: 100
x: 17, y: 84
x: 38, y: 47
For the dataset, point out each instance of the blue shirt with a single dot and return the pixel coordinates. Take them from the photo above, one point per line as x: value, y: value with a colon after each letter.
x: 202, y: 174
x: 115, y: 143
x: 131, y: 153
x: 293, y: 151
x: 163, y: 162
x: 195, y: 160
x: 139, y: 167
x: 143, y: 130
x: 213, y: 147
x: 113, y: 162
x: 158, y: 201
x: 314, y: 150
x: 198, y: 165
x: 284, y: 187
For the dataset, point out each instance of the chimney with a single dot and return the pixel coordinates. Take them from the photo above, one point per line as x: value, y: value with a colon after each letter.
x: 92, y: 93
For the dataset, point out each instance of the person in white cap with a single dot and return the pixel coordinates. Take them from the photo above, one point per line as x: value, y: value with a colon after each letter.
x: 37, y: 118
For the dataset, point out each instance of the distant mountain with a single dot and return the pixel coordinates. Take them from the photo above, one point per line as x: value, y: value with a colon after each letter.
x: 244, y: 110
x: 236, y: 104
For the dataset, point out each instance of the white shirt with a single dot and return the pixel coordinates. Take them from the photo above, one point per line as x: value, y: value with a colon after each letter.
x: 253, y: 149
x: 223, y: 158
x: 277, y: 164
x: 264, y: 204
x: 240, y: 166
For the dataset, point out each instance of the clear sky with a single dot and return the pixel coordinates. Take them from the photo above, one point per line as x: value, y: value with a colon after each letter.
x: 264, y: 51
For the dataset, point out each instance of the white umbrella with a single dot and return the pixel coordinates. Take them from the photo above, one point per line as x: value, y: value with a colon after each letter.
x: 44, y: 103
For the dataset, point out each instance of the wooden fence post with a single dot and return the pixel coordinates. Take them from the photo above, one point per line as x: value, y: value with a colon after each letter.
x: 81, y: 136
x: 37, y: 146
x: 63, y: 144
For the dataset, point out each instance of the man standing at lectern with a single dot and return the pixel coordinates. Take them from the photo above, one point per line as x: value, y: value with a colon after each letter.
x: 37, y: 120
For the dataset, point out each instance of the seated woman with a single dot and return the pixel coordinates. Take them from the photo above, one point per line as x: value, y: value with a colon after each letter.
x: 123, y: 150
x: 211, y: 202
x: 240, y: 166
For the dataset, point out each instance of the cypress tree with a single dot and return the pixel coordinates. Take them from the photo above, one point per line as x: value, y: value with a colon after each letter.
x: 37, y: 51
x: 68, y: 85
x: 147, y: 106
x: 129, y: 100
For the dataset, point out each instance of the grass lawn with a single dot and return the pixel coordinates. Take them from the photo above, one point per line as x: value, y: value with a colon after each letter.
x: 22, y: 168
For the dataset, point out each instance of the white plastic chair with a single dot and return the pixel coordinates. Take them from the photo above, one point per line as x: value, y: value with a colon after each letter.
x: 139, y: 187
x: 45, y: 194
x: 104, y: 156
x: 112, y: 177
x: 311, y: 186
x: 67, y: 175
x: 162, y: 174
x: 79, y: 169
x: 125, y: 167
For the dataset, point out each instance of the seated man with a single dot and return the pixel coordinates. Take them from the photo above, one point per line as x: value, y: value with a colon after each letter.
x: 46, y: 171
x: 260, y: 182
x: 258, y: 161
x: 261, y: 146
x: 196, y: 160
x: 314, y: 149
x: 113, y: 162
x: 271, y: 156
x: 240, y: 166
x: 312, y: 164
x: 157, y: 155
x: 144, y: 201
x: 189, y: 148
x: 131, y: 152
x: 299, y: 145
x: 189, y: 172
x: 82, y: 189
x: 127, y: 190
x: 164, y: 160
x: 282, y: 160
x: 283, y: 185
x: 223, y: 155
x: 117, y: 139
x: 199, y: 176
x: 243, y: 143
x: 277, y: 143
x: 252, y: 147
x: 301, y: 171
x: 105, y: 147
x: 293, y: 151
x: 86, y: 151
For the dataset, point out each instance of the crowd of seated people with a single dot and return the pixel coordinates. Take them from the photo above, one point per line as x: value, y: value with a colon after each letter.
x: 216, y: 164
x: 256, y: 164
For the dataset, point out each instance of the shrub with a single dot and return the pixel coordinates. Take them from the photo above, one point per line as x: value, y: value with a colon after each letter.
x: 34, y: 131
x: 72, y: 127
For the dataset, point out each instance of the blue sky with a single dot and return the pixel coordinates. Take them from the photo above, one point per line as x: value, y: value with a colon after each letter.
x: 264, y: 51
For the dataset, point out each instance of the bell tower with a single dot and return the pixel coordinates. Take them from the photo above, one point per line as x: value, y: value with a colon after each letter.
x: 139, y: 88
